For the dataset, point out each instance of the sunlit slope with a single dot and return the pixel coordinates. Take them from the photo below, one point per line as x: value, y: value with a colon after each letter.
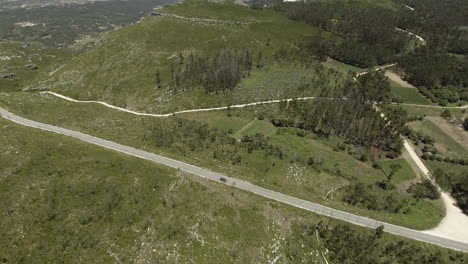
x: 122, y: 69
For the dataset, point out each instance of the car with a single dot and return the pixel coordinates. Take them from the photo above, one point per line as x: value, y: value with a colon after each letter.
x: 223, y: 179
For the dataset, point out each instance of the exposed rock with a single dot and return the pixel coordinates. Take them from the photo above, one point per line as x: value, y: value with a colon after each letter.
x: 7, y: 76
x: 31, y: 67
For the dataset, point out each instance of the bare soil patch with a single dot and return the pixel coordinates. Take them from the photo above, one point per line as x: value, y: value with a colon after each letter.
x: 394, y: 77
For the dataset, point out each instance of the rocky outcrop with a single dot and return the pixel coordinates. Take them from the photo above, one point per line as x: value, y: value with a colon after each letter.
x: 31, y: 67
x: 7, y: 75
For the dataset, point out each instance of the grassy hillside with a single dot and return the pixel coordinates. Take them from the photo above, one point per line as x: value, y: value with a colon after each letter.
x: 15, y: 56
x: 122, y: 69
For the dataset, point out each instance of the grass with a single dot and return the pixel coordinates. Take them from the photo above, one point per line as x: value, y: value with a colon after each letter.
x: 287, y: 176
x: 405, y: 173
x: 408, y: 95
x: 446, y: 167
x: 260, y: 126
x: 443, y: 142
x: 342, y: 67
x: 429, y: 111
x: 17, y: 55
x: 67, y: 201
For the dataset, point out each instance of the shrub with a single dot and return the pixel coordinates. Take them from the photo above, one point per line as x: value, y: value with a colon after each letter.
x: 424, y: 189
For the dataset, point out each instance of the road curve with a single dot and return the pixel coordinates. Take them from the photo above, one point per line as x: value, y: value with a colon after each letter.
x: 306, y: 205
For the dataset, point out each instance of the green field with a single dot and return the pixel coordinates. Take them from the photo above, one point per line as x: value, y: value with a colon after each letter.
x: 342, y: 67
x: 408, y: 95
x: 430, y: 111
x: 406, y: 173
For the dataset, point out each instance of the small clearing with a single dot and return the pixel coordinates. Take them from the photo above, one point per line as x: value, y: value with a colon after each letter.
x: 455, y: 132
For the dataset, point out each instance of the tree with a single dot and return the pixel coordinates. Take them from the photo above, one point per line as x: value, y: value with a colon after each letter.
x: 158, y: 78
x: 259, y: 59
x: 172, y: 75
x: 379, y: 231
x: 181, y: 59
x: 446, y: 114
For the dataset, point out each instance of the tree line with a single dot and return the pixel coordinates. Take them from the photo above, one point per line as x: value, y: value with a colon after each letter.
x: 364, y: 34
x: 456, y: 184
x: 441, y: 77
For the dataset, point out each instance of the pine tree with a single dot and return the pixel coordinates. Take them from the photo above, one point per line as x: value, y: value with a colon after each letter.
x: 158, y: 79
x: 259, y: 59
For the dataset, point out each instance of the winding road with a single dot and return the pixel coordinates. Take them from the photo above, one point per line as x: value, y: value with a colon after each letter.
x: 293, y: 201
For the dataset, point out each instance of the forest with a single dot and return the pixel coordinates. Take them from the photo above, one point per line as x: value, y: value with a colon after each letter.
x: 218, y: 73
x: 442, y: 78
x: 352, y: 112
x: 366, y: 35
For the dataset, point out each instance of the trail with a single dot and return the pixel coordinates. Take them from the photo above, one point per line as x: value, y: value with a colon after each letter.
x: 178, y: 112
x: 240, y: 131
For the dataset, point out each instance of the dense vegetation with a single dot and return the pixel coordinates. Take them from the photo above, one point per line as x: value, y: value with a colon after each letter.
x: 456, y: 184
x: 441, y: 23
x: 353, y: 113
x: 440, y: 77
x: 365, y: 33
x: 221, y: 72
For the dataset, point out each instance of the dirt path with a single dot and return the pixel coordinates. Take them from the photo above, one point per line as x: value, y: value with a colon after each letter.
x: 455, y: 223
x: 175, y: 113
x: 238, y: 134
x: 423, y: 41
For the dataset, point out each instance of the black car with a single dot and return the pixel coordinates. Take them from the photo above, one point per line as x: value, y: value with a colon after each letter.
x: 223, y: 179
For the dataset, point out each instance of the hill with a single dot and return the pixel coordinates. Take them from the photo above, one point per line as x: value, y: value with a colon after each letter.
x: 123, y: 69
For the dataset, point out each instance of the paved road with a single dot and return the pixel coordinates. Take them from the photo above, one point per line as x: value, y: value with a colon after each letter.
x: 306, y: 205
